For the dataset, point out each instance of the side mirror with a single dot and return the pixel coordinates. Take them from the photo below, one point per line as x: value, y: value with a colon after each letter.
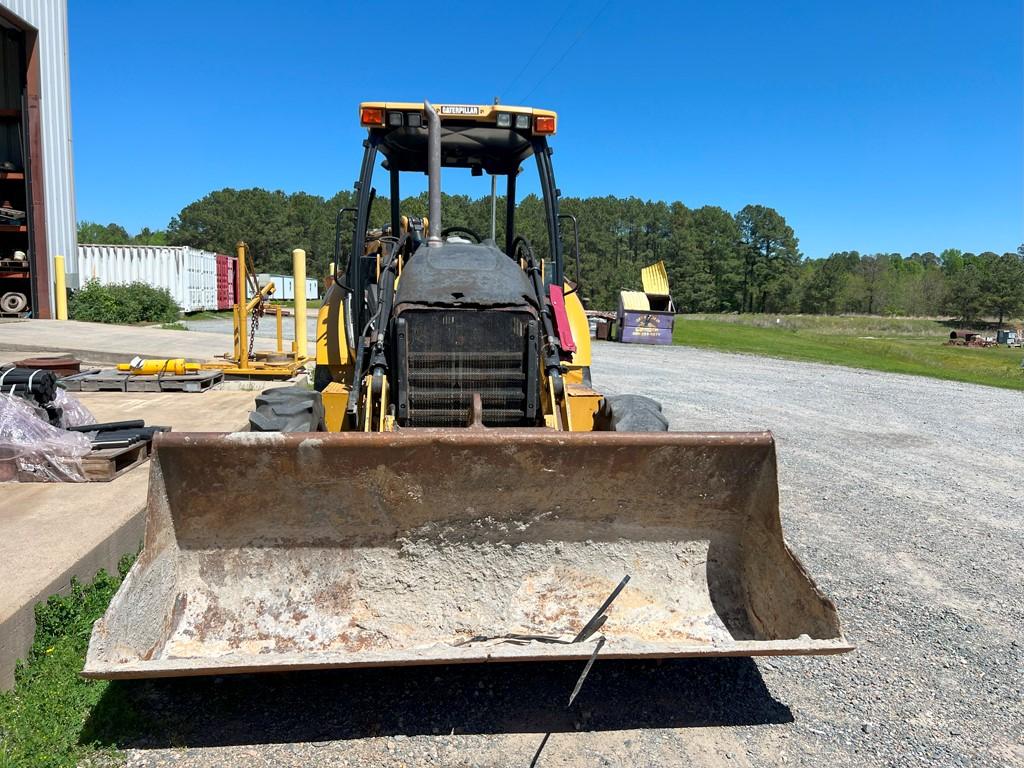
x: 576, y: 246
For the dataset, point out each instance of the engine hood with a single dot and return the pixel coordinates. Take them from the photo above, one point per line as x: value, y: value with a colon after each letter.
x: 463, y: 275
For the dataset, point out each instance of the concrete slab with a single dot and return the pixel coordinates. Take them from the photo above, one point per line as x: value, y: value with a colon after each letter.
x: 107, y: 344
x: 50, y: 532
x: 214, y: 411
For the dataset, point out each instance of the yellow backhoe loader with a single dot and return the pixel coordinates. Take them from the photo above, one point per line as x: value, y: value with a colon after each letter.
x: 454, y: 489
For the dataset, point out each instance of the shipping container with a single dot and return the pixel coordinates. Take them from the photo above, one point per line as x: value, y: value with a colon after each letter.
x: 284, y: 286
x: 226, y: 277
x: 189, y: 274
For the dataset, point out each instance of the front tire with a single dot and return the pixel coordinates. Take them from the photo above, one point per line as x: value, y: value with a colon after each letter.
x: 287, y: 409
x: 630, y: 413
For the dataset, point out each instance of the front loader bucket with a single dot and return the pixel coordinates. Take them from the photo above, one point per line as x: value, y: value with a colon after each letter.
x: 284, y: 551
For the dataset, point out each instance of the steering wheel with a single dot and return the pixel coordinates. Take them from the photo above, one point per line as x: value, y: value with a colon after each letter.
x: 461, y: 231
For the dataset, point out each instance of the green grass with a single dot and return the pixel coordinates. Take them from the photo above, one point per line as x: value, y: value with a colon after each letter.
x: 896, y: 345
x: 206, y: 315
x: 311, y: 303
x: 47, y: 720
x: 839, y: 325
x: 175, y: 326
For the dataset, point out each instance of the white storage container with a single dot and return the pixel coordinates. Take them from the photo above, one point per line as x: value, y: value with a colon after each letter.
x: 284, y: 286
x: 189, y: 274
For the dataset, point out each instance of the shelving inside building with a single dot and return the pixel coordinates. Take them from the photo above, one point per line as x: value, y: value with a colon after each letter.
x: 37, y: 189
x: 16, y: 251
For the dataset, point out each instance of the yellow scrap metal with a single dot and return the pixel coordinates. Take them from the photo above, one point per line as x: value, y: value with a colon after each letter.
x: 175, y: 366
x: 636, y: 301
x: 655, y: 279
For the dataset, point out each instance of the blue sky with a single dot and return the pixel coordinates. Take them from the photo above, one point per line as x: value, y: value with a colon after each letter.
x: 875, y: 126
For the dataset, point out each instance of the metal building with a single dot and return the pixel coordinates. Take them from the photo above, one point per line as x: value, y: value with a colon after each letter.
x: 36, y: 177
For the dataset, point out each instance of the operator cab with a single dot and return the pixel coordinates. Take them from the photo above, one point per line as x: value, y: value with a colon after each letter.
x: 496, y: 140
x: 438, y: 311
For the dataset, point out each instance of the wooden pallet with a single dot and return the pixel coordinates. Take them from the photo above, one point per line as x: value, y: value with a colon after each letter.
x: 103, y: 465
x: 120, y: 381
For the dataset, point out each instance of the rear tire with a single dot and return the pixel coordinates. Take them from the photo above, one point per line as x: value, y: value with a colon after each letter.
x: 14, y: 302
x: 630, y: 413
x: 287, y: 409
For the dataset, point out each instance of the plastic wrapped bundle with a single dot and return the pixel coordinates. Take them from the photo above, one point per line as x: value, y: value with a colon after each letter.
x: 72, y: 412
x: 31, y: 449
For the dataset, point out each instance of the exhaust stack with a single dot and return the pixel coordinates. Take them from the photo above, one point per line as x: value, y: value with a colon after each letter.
x: 433, y: 174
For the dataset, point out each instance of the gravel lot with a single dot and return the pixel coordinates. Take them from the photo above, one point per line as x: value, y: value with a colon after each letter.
x: 267, y: 328
x: 896, y: 494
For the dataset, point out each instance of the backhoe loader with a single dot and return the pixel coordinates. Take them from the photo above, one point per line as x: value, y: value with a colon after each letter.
x: 463, y: 493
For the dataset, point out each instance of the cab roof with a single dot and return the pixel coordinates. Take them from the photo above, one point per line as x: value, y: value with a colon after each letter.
x: 494, y: 138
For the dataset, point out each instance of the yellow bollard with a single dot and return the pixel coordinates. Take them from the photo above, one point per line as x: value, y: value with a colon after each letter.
x: 241, y: 332
x: 60, y: 288
x: 299, y: 274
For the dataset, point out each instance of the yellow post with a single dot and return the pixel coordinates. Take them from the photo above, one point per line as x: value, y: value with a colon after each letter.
x: 240, y: 314
x: 236, y: 356
x: 299, y: 274
x: 280, y: 330
x: 60, y: 288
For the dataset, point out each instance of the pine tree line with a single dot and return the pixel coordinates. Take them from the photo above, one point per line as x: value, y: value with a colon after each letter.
x: 717, y: 261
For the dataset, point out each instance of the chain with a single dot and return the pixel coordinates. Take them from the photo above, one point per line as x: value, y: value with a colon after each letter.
x: 257, y: 312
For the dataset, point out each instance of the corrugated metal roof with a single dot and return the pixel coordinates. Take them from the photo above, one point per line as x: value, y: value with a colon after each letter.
x: 50, y: 17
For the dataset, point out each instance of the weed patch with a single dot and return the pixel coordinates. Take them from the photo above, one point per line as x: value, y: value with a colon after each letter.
x: 45, y: 721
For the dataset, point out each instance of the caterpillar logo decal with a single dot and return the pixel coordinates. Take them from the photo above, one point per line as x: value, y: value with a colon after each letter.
x: 456, y: 109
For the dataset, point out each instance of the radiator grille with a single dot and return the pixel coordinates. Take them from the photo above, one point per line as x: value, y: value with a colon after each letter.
x: 447, y: 355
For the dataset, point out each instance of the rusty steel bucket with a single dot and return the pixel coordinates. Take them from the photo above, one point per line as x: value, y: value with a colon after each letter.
x: 272, y: 551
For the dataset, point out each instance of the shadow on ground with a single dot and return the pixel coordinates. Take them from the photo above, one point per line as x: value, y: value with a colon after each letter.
x: 464, y: 699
